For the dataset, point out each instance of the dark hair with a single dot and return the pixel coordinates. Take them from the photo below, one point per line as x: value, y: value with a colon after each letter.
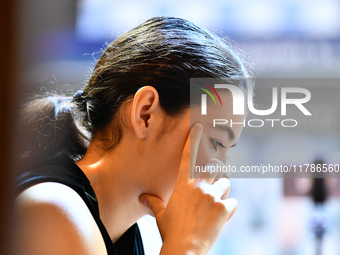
x: 163, y: 52
x: 48, y: 126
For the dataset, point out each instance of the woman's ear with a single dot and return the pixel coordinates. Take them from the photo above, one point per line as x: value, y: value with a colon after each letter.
x: 145, y: 107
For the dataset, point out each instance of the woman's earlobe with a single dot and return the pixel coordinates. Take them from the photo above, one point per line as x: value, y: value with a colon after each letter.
x: 144, y: 106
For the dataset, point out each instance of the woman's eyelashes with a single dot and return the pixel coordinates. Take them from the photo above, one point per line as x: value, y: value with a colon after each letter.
x: 217, y: 144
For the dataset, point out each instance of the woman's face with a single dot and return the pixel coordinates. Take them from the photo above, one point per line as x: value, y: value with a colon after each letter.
x: 215, y: 142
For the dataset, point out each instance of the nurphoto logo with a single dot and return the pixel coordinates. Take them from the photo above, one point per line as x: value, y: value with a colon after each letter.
x: 239, y: 104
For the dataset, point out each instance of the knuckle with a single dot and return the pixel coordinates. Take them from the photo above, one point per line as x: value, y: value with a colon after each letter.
x: 208, y: 198
x: 221, y: 208
x: 197, y: 189
x: 201, y: 191
x: 203, y: 186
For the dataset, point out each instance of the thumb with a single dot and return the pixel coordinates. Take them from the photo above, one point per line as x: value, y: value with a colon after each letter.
x: 154, y: 203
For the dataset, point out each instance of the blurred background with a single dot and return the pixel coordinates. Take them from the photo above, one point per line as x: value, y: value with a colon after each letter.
x: 57, y: 44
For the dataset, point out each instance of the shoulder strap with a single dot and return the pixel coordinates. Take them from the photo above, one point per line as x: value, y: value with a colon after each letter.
x: 80, y: 184
x: 123, y: 244
x: 60, y: 174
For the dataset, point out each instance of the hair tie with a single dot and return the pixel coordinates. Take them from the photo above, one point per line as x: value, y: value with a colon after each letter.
x: 80, y: 100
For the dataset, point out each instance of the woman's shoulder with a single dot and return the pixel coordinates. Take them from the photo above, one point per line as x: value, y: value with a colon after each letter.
x: 51, y: 218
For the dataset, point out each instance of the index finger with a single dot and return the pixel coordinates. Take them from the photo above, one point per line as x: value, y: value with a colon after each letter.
x: 189, y: 154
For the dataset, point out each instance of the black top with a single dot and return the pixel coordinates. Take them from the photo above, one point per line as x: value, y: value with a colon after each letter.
x: 60, y: 168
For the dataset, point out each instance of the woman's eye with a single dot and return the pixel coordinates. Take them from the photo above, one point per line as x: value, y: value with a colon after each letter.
x: 216, y: 144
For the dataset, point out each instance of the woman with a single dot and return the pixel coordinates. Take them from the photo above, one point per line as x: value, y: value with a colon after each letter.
x: 136, y: 108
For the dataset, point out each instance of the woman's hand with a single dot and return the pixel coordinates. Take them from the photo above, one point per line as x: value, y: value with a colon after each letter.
x: 194, y: 217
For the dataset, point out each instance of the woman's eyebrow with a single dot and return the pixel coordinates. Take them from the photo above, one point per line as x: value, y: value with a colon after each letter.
x: 226, y: 128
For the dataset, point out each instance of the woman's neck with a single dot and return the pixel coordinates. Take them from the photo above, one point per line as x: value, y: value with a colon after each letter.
x: 112, y: 176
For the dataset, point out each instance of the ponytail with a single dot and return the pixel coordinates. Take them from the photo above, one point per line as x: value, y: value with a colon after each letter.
x: 48, y: 125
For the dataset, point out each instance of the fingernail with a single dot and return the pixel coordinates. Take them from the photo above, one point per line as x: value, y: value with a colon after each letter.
x: 213, y: 162
x: 144, y: 200
x: 198, y: 126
